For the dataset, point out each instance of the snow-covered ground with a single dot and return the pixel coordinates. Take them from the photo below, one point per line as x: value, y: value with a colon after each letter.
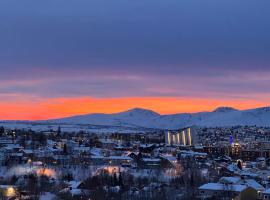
x: 47, y: 196
x: 47, y: 126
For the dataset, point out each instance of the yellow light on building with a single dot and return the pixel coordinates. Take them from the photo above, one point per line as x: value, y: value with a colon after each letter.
x: 11, y: 192
x: 46, y: 172
x: 189, y: 137
x: 184, y: 138
x: 174, y: 139
x: 169, y: 137
x: 178, y: 138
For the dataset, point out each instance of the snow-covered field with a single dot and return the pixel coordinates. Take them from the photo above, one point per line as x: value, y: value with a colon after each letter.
x: 47, y: 126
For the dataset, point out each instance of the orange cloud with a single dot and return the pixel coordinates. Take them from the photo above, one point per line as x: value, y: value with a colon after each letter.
x: 62, y: 107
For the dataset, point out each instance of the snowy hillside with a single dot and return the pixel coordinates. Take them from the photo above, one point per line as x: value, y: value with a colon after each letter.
x: 132, y: 118
x: 223, y: 116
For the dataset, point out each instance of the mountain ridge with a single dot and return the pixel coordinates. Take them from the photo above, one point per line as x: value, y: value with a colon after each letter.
x: 139, y: 117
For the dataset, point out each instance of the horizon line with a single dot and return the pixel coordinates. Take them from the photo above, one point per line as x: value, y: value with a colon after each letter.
x: 130, y: 109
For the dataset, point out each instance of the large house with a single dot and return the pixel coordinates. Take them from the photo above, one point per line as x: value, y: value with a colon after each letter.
x: 234, y: 188
x: 227, y: 191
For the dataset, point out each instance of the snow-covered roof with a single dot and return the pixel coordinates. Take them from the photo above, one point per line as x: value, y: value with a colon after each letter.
x: 82, y: 148
x: 254, y: 184
x: 231, y: 180
x: 112, y: 157
x: 17, y: 154
x: 146, y: 145
x: 106, y: 141
x: 222, y: 187
x: 12, y: 146
x: 6, y: 141
x: 168, y: 157
x: 267, y: 191
x: 47, y: 196
x: 76, y: 192
x: 151, y: 159
x: 233, y: 168
x: 28, y: 151
x: 237, y: 180
x: 249, y: 174
x: 193, y: 153
x: 7, y: 186
x: 96, y: 151
x: 74, y: 184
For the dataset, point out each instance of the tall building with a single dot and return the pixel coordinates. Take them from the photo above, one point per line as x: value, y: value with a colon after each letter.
x: 186, y: 137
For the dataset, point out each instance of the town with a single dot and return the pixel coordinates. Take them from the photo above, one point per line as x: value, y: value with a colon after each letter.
x: 190, y: 163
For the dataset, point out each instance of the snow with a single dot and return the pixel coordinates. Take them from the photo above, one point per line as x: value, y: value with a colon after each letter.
x: 112, y: 157
x: 74, y: 184
x: 233, y: 168
x: 267, y: 191
x: 229, y: 180
x: 169, y: 157
x: 191, y: 153
x: 151, y: 159
x: 75, y: 192
x: 47, y: 196
x: 146, y: 145
x: 96, y: 151
x: 254, y: 184
x: 28, y: 151
x: 5, y: 186
x: 221, y: 187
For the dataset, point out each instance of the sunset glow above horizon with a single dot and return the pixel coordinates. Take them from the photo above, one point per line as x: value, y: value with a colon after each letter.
x: 66, y: 57
x: 64, y: 107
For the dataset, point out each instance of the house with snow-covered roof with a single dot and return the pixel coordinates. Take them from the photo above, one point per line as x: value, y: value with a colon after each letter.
x: 266, y: 194
x: 233, y: 187
x: 111, y: 160
x: 227, y: 191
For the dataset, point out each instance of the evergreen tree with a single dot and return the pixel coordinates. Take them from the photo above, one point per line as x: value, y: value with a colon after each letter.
x: 239, y: 164
x: 2, y: 130
x: 59, y: 130
x: 65, y: 149
x: 120, y: 180
x: 115, y: 181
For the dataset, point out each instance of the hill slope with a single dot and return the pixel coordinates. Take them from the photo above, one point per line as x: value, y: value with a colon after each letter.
x: 223, y: 116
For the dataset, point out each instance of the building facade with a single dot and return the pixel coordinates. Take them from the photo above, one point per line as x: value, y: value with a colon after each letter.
x: 185, y: 137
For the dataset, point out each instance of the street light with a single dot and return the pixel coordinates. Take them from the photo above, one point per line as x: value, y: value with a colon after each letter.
x: 29, y: 162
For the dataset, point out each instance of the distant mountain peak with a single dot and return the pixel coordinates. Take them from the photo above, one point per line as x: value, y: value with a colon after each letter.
x: 225, y: 109
x: 141, y: 111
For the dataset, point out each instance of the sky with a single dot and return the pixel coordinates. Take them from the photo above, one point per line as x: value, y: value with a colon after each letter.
x: 67, y: 57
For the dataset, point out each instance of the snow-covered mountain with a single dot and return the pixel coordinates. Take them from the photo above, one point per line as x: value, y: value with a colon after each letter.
x: 222, y: 116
